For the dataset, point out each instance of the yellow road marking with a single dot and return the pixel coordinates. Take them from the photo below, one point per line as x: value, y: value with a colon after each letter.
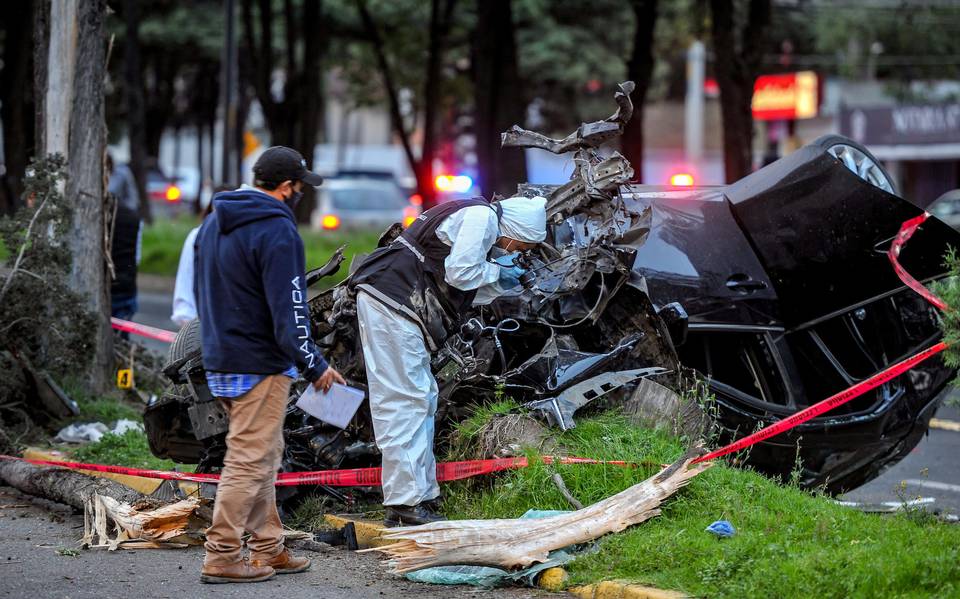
x: 947, y: 425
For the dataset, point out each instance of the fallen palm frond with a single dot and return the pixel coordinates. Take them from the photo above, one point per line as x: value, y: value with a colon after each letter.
x: 522, y: 542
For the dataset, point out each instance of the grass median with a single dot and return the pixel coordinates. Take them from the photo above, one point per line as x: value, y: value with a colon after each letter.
x: 163, y: 241
x: 789, y: 542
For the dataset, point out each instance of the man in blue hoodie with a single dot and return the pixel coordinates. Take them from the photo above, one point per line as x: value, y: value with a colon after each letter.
x: 251, y: 294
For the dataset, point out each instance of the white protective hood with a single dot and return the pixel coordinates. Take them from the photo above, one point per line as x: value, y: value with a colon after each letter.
x: 524, y: 219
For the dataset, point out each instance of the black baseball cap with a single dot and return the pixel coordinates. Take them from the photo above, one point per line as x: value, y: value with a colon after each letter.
x: 280, y: 163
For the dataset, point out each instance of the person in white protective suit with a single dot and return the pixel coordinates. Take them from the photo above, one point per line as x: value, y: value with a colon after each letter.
x: 411, y: 295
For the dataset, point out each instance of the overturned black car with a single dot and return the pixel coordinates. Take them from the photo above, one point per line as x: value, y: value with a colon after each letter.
x: 775, y: 289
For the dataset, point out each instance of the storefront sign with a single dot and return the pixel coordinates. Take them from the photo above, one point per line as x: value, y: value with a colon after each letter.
x: 786, y: 96
x: 897, y: 125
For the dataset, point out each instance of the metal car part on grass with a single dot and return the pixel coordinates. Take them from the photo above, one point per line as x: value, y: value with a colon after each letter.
x: 559, y: 410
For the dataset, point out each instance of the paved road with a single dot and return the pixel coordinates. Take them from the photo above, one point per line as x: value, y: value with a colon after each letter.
x: 155, y: 309
x: 31, y: 535
x: 931, y: 470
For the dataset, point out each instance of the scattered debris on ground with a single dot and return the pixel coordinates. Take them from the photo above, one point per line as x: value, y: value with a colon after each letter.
x: 93, y: 432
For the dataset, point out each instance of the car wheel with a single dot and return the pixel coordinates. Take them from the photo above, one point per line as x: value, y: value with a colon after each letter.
x: 186, y: 344
x: 858, y: 160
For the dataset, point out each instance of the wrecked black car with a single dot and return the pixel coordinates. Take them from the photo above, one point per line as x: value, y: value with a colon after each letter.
x: 775, y: 289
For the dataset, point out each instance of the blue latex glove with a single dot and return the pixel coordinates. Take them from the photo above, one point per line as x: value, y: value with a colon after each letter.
x: 509, y: 272
x: 506, y: 259
x: 722, y: 528
x: 510, y: 277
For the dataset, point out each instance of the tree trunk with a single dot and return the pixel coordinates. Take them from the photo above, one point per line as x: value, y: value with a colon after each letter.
x: 41, y: 51
x: 60, y: 485
x: 431, y: 93
x: 736, y: 71
x: 136, y: 117
x: 16, y: 99
x: 640, y: 71
x: 85, y: 182
x: 441, y: 12
x: 73, y: 126
x: 497, y: 96
x: 158, y: 103
x: 393, y: 98
x: 315, y: 38
x: 294, y: 120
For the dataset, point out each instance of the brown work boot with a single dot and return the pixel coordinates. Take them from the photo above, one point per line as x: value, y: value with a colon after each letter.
x: 242, y: 571
x: 285, y: 563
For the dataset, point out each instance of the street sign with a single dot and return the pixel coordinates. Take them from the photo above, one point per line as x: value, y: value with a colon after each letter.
x: 785, y: 96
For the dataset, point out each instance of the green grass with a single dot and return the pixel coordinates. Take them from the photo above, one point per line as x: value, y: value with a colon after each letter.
x: 129, y: 449
x: 163, y: 240
x: 788, y: 543
x: 95, y: 408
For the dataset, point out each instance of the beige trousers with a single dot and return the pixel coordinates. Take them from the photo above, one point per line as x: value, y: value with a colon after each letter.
x: 246, y: 496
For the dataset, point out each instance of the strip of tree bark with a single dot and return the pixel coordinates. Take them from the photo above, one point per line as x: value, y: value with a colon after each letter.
x: 522, y: 542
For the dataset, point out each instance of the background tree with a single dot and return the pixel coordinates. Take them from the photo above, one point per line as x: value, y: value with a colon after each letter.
x: 289, y: 89
x: 640, y: 71
x: 426, y: 61
x: 16, y: 98
x: 179, y: 57
x: 738, y: 45
x: 70, y: 57
x: 498, y: 97
x: 133, y: 101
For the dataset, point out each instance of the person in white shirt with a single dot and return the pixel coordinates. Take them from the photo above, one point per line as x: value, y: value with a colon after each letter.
x: 184, y: 302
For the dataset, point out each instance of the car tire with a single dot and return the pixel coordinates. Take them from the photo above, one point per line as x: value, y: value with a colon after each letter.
x: 832, y: 143
x: 186, y: 345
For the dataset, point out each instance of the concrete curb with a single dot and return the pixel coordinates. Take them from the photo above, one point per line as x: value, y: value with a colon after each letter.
x: 369, y: 532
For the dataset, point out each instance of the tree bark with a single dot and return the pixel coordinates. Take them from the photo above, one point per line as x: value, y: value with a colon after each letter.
x: 136, y: 117
x: 41, y: 50
x: 521, y: 542
x: 60, y: 485
x: 16, y: 99
x: 640, y: 71
x: 497, y: 96
x: 737, y: 58
x: 73, y: 126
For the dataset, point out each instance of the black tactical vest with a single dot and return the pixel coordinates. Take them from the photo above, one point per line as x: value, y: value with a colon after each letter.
x: 408, y: 274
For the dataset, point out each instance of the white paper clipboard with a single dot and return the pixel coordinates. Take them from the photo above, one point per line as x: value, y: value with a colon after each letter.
x: 337, y: 406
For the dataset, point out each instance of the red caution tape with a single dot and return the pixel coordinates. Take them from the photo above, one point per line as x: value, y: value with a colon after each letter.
x: 907, y: 229
x: 143, y: 330
x: 353, y: 477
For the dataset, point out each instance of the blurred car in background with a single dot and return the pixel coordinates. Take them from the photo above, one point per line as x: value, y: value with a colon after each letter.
x: 166, y: 198
x: 187, y: 180
x: 947, y: 208
x: 362, y: 200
